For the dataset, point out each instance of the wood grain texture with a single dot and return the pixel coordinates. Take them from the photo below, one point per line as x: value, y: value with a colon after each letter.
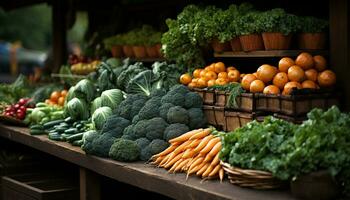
x: 140, y: 174
x: 270, y: 53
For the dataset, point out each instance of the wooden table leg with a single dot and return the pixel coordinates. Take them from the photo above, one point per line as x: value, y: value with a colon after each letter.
x: 90, y: 188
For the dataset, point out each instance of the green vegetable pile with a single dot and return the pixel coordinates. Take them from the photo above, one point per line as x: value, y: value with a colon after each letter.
x: 233, y: 89
x: 288, y: 151
x: 147, y: 122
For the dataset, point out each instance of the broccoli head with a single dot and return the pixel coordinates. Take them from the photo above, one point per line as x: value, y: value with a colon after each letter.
x: 177, y: 114
x: 157, y: 146
x: 140, y: 127
x: 155, y: 128
x: 136, y: 106
x: 158, y: 93
x: 124, y: 150
x: 177, y: 99
x: 150, y: 109
x: 88, y: 138
x: 127, y: 137
x: 146, y: 153
x: 115, y: 126
x: 197, y: 118
x: 181, y: 89
x: 102, y: 144
x: 163, y: 110
x: 175, y: 130
x: 130, y: 106
x: 193, y: 100
x: 129, y: 132
x: 142, y: 142
x: 135, y: 119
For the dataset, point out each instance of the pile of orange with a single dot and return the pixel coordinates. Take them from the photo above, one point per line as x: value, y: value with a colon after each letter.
x: 214, y: 74
x: 57, y: 98
x: 306, y: 71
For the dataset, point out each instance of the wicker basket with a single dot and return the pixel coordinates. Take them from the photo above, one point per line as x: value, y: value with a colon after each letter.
x: 251, y: 178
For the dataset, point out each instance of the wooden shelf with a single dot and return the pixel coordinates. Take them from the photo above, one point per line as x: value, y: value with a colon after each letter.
x: 146, y: 59
x: 140, y: 174
x: 265, y: 54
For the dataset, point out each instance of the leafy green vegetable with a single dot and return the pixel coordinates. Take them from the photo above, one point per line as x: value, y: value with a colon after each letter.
x: 277, y: 20
x: 77, y: 109
x: 234, y: 90
x: 312, y: 24
x: 141, y: 83
x: 111, y: 98
x: 85, y: 89
x: 97, y: 103
x: 100, y: 116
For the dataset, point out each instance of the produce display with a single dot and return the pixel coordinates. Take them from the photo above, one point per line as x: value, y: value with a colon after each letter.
x: 195, y: 152
x: 43, y: 113
x: 17, y: 110
x: 57, y: 98
x: 82, y: 65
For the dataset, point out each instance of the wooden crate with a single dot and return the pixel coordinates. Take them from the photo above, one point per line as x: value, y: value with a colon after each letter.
x: 245, y: 101
x: 39, y: 187
x: 207, y: 95
x: 237, y: 119
x: 267, y: 102
x: 293, y: 119
x: 215, y: 116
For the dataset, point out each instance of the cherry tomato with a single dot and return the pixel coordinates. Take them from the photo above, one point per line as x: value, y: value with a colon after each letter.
x: 22, y: 101
x: 17, y: 106
x: 8, y: 114
x: 23, y: 108
x: 20, y: 114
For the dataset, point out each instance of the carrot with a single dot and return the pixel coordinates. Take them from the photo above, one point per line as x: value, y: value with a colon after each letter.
x: 204, y: 142
x: 203, y: 169
x: 201, y: 134
x: 165, y: 160
x: 185, y: 136
x: 215, y: 170
x: 195, y: 143
x: 215, y: 150
x: 166, y: 151
x: 188, y: 153
x: 207, y: 172
x: 182, y: 147
x: 210, y: 145
x: 221, y: 174
x: 216, y: 160
x: 208, y: 158
x: 172, y: 169
x: 180, y: 166
x: 196, y: 163
x: 172, y: 161
x: 159, y: 159
x: 196, y: 168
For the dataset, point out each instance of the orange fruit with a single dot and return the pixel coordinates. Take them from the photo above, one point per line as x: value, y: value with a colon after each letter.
x: 296, y: 73
x: 242, y: 75
x: 195, y: 80
x: 326, y: 78
x: 280, y: 79
x: 221, y: 81
x: 305, y: 61
x: 233, y: 75
x: 64, y: 93
x: 54, y: 96
x: 60, y: 101
x: 211, y: 82
x: 192, y: 85
x: 288, y: 88
x: 210, y: 75
x: 219, y: 67
x: 266, y: 73
x: 308, y: 84
x: 203, y: 73
x: 257, y: 86
x: 271, y: 89
x: 311, y: 74
x: 320, y: 63
x: 210, y: 68
x: 255, y: 74
x: 247, y: 80
x: 202, y: 83
x: 47, y: 101
x: 285, y: 63
x: 223, y: 75
x: 185, y: 79
x: 230, y: 68
x: 196, y: 73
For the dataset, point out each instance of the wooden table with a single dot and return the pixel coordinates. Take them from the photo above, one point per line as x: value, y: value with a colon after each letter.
x: 137, y: 174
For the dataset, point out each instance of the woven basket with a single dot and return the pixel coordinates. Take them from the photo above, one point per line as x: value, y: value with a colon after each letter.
x: 251, y: 178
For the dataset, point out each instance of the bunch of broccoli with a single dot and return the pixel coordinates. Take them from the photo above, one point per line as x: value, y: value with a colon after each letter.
x: 145, y: 124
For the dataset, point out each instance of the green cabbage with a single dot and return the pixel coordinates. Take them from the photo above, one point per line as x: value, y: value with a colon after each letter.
x: 97, y: 103
x: 70, y: 95
x: 100, y: 116
x: 77, y: 109
x: 112, y: 98
x: 85, y: 89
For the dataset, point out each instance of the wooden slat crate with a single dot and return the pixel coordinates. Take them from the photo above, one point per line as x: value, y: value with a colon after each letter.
x: 207, y: 95
x: 39, y: 187
x: 215, y: 116
x: 237, y: 119
x: 245, y: 101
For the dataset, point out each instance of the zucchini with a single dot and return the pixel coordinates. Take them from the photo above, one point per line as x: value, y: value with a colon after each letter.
x: 37, y: 126
x: 37, y: 132
x: 78, y: 143
x: 52, y: 123
x: 44, y: 120
x: 55, y: 136
x: 79, y: 126
x: 69, y: 120
x: 60, y: 129
x: 71, y: 131
x: 65, y: 136
x: 40, y: 104
x: 75, y: 137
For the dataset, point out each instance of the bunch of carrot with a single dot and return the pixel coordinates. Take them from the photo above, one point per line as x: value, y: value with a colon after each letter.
x: 195, y: 152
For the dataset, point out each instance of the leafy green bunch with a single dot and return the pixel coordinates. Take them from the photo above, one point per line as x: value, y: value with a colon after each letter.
x: 312, y: 24
x: 277, y: 20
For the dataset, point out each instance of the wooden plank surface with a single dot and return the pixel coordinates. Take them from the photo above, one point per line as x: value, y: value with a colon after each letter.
x: 140, y: 174
x: 270, y: 53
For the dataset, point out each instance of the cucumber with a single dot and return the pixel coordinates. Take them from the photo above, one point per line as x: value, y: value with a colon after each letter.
x: 78, y: 143
x: 79, y: 126
x: 37, y: 126
x: 44, y: 120
x: 37, y: 132
x: 60, y: 129
x: 65, y: 136
x: 71, y: 131
x: 55, y: 136
x: 41, y: 104
x: 75, y: 137
x: 52, y: 123
x: 69, y: 120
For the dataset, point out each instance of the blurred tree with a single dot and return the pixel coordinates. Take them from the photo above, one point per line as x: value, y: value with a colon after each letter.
x: 30, y: 25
